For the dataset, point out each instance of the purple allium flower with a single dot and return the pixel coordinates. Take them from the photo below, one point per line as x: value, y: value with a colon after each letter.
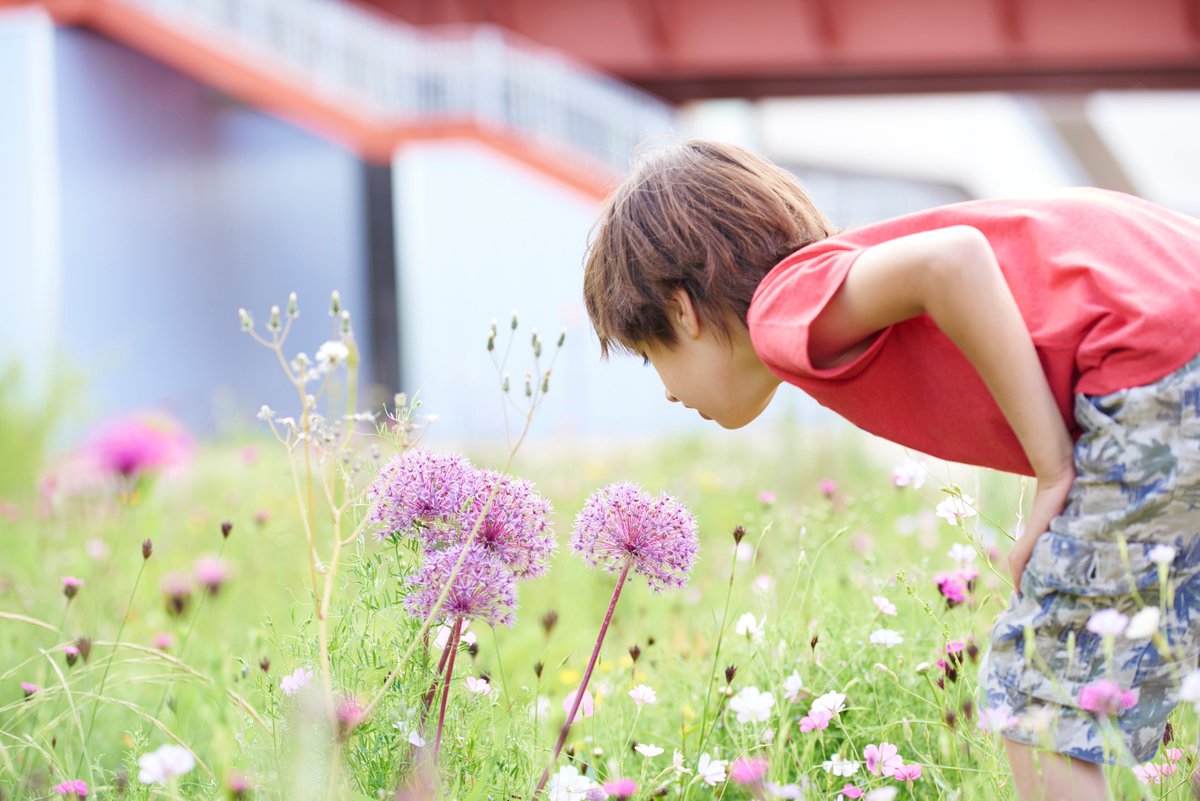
x: 73, y: 789
x: 71, y: 586
x: 139, y: 444
x: 515, y: 530
x: 419, y: 488
x: 211, y: 573
x: 622, y: 523
x: 483, y: 589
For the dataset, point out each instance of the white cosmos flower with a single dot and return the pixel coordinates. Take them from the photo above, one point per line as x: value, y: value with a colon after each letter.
x: 642, y: 694
x: 647, y: 750
x: 169, y: 761
x: 416, y: 739
x: 296, y: 681
x: 833, y: 702
x: 1144, y: 624
x: 749, y: 626
x: 886, y: 637
x: 1107, y: 623
x: 882, y: 794
x: 840, y: 767
x: 961, y: 554
x: 792, y: 686
x: 909, y: 474
x: 479, y: 686
x: 954, y: 510
x: 752, y: 705
x: 677, y: 763
x: 710, y: 770
x: 568, y: 785
x: 1162, y: 554
x: 884, y: 606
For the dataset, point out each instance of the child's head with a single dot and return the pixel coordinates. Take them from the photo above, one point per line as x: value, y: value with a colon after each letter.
x: 705, y: 217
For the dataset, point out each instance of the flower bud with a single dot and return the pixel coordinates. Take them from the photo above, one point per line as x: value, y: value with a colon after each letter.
x: 147, y: 548
x: 226, y: 527
x: 514, y: 320
x: 738, y: 533
x: 273, y: 323
x: 70, y: 587
x: 548, y: 621
x: 84, y: 644
x: 634, y: 653
x: 528, y: 385
x: 71, y: 653
x: 335, y: 304
x: 491, y: 342
x: 504, y: 383
x: 246, y: 320
x: 293, y: 310
x: 546, y: 382
x: 264, y: 664
x: 562, y: 337
x: 730, y: 672
x: 345, y: 322
x: 537, y: 669
x: 813, y: 642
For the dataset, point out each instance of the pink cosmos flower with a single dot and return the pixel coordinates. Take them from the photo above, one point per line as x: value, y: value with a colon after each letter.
x: 851, y: 791
x: 74, y: 789
x: 884, y: 606
x: 587, y: 707
x: 516, y: 529
x: 1173, y: 754
x: 483, y: 588
x: 997, y: 718
x: 1148, y: 773
x: 907, y: 773
x: 138, y: 444
x: 296, y: 681
x: 620, y: 788
x: 1105, y: 698
x: 882, y: 759
x: 656, y: 536
x: 816, y: 719
x: 748, y: 770
x: 420, y: 489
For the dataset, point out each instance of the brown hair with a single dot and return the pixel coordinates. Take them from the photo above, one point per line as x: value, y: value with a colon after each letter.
x: 707, y: 217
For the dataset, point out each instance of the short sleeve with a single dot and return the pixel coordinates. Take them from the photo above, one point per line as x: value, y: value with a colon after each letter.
x: 787, y: 301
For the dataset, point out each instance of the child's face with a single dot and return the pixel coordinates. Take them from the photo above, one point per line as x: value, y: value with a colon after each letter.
x: 723, y: 381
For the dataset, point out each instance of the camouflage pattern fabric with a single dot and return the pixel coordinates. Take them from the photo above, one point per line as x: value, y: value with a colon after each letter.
x: 1137, y: 486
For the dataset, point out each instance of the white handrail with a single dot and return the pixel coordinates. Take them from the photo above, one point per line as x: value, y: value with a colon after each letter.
x: 392, y: 71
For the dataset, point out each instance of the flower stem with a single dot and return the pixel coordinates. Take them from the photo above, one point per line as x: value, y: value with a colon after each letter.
x: 434, y: 684
x: 437, y: 742
x: 587, y: 674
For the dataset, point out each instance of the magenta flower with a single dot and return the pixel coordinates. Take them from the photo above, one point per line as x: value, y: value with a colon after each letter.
x: 140, y: 443
x: 163, y: 641
x: 952, y: 589
x: 177, y: 590
x: 621, y: 524
x: 816, y: 719
x: 515, y: 530
x: 30, y: 689
x: 74, y: 789
x: 620, y: 788
x: 483, y: 589
x: 1105, y: 698
x: 70, y: 586
x: 907, y: 773
x: 828, y: 488
x: 211, y: 573
x: 851, y: 791
x: 420, y: 489
x: 748, y: 770
x: 72, y: 654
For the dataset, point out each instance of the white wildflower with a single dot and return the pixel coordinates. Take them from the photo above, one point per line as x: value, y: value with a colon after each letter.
x: 752, y: 705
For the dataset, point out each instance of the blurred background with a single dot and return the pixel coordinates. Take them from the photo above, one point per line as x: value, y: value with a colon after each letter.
x: 164, y: 162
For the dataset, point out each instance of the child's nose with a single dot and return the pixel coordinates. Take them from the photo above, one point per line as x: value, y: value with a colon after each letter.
x: 671, y: 397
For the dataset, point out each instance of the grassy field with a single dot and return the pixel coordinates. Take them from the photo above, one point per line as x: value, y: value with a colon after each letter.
x: 791, y: 610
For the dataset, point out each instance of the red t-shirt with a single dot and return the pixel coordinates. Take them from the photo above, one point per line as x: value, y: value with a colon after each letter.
x: 1108, y: 285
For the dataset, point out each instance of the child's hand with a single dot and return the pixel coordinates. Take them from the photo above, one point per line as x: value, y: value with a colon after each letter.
x: 1049, y: 501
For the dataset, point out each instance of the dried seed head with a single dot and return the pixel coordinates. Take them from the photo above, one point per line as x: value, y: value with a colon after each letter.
x: 813, y: 642
x: 548, y: 621
x: 951, y: 719
x: 634, y: 653
x: 84, y: 644
x: 1168, y: 734
x: 730, y: 672
x: 537, y: 669
x: 147, y: 548
x: 738, y: 533
x: 968, y: 708
x: 226, y: 527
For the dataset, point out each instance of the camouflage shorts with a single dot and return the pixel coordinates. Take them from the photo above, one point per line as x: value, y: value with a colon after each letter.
x: 1137, y: 486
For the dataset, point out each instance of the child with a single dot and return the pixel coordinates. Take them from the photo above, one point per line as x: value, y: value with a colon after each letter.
x: 1055, y: 337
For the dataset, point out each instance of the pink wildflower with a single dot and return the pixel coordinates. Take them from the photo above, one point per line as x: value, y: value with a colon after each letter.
x: 211, y: 573
x: 951, y: 588
x: 163, y: 641
x: 586, y: 706
x: 483, y: 588
x: 1148, y: 773
x: 766, y: 497
x: 851, y: 791
x: 72, y: 654
x: 516, y: 529
x: 1174, y: 754
x: 882, y: 759
x: 238, y: 784
x: 177, y: 589
x: 907, y: 773
x: 141, y: 443
x: 748, y: 770
x: 420, y: 489
x: 73, y: 789
x: 657, y: 536
x: 349, y: 715
x: 296, y: 681
x: 829, y: 488
x: 884, y: 606
x: 1105, y: 697
x: 71, y: 586
x: 816, y: 719
x: 620, y: 788
x: 30, y: 689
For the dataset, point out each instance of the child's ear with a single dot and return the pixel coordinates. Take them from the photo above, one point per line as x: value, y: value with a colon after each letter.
x: 683, y: 315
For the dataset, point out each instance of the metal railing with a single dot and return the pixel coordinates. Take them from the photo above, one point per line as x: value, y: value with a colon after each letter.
x: 395, y: 72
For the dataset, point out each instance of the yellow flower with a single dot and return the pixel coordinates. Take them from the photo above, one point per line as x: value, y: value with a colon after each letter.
x: 569, y: 676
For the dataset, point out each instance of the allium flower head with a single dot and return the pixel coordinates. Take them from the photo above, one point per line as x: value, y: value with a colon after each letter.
x: 483, y: 588
x: 139, y: 444
x: 657, y: 536
x: 516, y: 529
x: 420, y: 487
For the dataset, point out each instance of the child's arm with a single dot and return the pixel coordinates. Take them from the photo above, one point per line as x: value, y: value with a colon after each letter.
x: 952, y: 274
